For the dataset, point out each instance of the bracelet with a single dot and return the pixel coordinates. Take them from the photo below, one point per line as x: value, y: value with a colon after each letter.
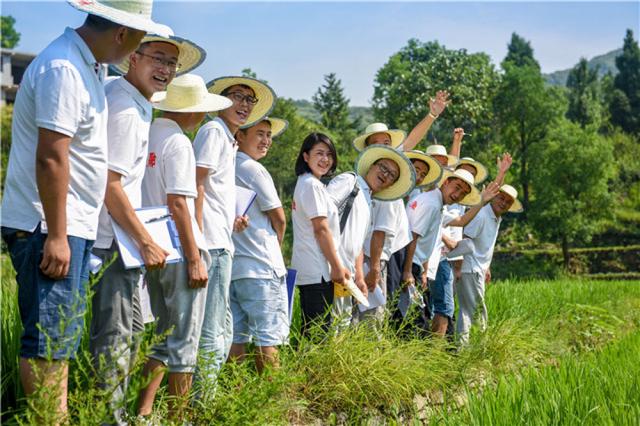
x: 432, y: 115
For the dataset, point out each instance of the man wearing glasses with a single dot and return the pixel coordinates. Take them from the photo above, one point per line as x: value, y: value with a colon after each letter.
x: 215, y: 150
x: 117, y: 319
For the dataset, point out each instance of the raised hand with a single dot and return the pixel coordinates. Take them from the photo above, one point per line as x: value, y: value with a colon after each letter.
x: 505, y: 162
x: 489, y: 192
x: 458, y: 134
x: 438, y: 105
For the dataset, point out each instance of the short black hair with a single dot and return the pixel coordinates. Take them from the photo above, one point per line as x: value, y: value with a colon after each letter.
x: 307, y: 145
x: 225, y: 92
x: 100, y: 24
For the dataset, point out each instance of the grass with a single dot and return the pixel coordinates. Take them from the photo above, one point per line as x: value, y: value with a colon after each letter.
x: 541, y: 333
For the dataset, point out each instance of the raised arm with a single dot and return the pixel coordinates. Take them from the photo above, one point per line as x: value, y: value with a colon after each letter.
x: 487, y: 195
x: 503, y: 165
x: 456, y: 145
x: 436, y: 107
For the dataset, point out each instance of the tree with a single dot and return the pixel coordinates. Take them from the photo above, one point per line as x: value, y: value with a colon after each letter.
x: 520, y: 53
x: 404, y: 85
x: 625, y: 102
x: 9, y: 37
x: 332, y: 105
x: 571, y: 184
x: 584, y: 95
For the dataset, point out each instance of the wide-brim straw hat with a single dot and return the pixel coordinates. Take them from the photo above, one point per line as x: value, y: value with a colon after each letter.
x: 188, y: 93
x: 190, y: 55
x: 278, y: 125
x: 452, y: 160
x: 481, y: 170
x: 516, y: 207
x: 473, y: 197
x: 407, y: 179
x: 134, y: 14
x: 265, y: 95
x: 435, y: 169
x: 397, y: 136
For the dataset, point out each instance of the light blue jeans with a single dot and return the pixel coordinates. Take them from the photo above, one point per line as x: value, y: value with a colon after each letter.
x: 217, y: 327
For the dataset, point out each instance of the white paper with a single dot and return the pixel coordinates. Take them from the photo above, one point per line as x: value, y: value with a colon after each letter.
x: 145, y: 300
x: 375, y: 298
x: 244, y: 198
x: 95, y: 263
x: 158, y: 230
x: 408, y: 297
x: 356, y: 293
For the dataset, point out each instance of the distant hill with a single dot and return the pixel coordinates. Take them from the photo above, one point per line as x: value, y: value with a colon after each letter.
x: 606, y: 62
x: 363, y: 115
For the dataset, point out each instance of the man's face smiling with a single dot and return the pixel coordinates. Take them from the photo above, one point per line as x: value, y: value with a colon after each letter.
x: 421, y: 168
x: 152, y: 67
x: 238, y: 113
x: 256, y: 140
x: 454, y: 190
x: 501, y: 203
x: 380, y: 138
x: 382, y: 174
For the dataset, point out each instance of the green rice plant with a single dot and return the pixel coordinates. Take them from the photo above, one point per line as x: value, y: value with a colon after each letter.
x: 11, y: 330
x: 595, y: 388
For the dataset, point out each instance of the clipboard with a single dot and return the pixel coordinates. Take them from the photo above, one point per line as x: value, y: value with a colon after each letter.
x: 160, y: 226
x: 244, y: 198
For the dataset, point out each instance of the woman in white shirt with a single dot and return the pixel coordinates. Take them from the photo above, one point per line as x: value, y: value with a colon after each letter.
x: 316, y: 232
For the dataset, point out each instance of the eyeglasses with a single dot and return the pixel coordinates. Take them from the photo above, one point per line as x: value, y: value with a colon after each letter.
x: 387, y: 171
x: 159, y: 62
x: 239, y: 98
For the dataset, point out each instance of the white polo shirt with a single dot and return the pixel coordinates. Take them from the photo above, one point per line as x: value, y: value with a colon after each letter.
x: 389, y: 217
x: 62, y: 92
x: 170, y: 167
x: 257, y: 251
x: 311, y: 200
x: 483, y: 230
x: 425, y: 219
x: 215, y: 149
x: 452, y: 212
x: 128, y: 139
x: 359, y: 221
x: 402, y: 236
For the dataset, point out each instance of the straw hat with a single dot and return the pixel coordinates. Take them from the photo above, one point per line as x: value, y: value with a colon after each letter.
x: 435, y: 170
x: 516, y: 207
x: 188, y: 93
x: 441, y: 150
x: 481, y: 170
x: 278, y: 125
x: 134, y: 14
x: 265, y: 94
x: 397, y: 136
x: 407, y: 179
x: 473, y: 197
x: 190, y: 54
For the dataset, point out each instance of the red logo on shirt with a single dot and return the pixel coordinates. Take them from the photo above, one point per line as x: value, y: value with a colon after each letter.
x: 86, y: 2
x: 293, y: 205
x: 414, y: 205
x: 152, y: 160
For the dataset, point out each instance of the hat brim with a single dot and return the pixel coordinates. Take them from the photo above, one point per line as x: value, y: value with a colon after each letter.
x: 131, y: 20
x: 406, y: 181
x: 278, y: 126
x: 209, y: 104
x: 472, y: 198
x: 481, y: 170
x: 435, y: 169
x: 397, y: 137
x: 190, y: 55
x: 265, y: 94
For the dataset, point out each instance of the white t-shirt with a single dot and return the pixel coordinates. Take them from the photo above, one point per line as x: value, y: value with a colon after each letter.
x: 257, y: 251
x: 311, y: 200
x: 170, y: 169
x: 359, y: 220
x: 425, y: 219
x: 384, y: 219
x: 452, y: 212
x: 60, y: 91
x: 402, y: 235
x: 215, y: 149
x: 483, y: 230
x: 128, y: 138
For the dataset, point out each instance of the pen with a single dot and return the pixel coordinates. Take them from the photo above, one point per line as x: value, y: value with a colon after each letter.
x: 156, y: 219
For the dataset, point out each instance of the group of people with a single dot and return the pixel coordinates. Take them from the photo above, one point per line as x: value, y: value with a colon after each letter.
x: 404, y: 228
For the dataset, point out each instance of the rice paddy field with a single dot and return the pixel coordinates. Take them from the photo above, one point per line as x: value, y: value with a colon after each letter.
x: 560, y: 352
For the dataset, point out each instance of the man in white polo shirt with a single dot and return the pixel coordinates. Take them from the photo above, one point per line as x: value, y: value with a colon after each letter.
x: 483, y: 232
x: 215, y: 150
x: 56, y: 180
x: 258, y: 289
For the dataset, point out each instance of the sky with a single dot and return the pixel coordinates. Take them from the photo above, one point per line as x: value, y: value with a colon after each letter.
x: 293, y: 45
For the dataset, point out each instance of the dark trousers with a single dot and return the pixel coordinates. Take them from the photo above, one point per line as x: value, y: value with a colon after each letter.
x: 315, y: 303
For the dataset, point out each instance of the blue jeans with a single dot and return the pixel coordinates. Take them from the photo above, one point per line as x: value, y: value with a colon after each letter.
x: 217, y: 327
x: 52, y: 311
x: 441, y: 291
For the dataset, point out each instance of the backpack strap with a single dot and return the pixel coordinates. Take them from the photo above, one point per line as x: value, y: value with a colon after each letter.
x: 344, y: 209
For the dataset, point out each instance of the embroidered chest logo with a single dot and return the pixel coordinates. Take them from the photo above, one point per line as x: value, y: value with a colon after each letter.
x: 152, y: 160
x: 414, y: 205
